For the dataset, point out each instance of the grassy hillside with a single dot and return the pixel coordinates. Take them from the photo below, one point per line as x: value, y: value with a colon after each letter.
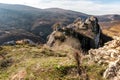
x: 113, y: 30
x: 43, y: 63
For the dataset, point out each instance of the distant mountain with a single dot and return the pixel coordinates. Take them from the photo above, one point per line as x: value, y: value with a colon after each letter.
x: 29, y: 20
x: 111, y: 17
x: 107, y: 21
x: 32, y: 20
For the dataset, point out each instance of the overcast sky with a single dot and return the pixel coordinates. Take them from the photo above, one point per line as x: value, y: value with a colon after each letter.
x: 94, y: 7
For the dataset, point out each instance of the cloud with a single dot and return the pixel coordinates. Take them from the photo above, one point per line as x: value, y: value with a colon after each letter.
x: 94, y: 7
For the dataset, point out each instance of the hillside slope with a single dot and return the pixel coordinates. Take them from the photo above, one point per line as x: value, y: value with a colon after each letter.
x: 39, y: 21
x: 113, y: 30
x: 33, y: 20
x: 43, y: 63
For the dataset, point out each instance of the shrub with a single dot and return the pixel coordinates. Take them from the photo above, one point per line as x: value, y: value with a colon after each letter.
x: 5, y: 63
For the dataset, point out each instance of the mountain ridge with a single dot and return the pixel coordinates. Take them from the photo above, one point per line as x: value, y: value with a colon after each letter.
x: 39, y: 21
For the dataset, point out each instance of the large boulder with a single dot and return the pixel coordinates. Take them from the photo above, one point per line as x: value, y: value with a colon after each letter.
x: 79, y: 35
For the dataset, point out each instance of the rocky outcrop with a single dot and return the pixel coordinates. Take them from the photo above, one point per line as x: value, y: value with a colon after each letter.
x: 79, y: 34
x: 109, y: 52
x: 109, y: 55
x: 113, y: 71
x: 24, y: 41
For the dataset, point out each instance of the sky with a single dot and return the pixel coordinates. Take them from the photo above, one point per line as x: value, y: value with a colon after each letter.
x: 93, y: 7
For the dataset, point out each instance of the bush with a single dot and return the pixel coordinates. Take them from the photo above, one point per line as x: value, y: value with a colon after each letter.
x: 60, y: 36
x: 5, y: 63
x: 1, y: 48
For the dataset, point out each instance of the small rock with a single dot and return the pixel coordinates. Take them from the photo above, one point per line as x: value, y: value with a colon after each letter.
x: 20, y: 75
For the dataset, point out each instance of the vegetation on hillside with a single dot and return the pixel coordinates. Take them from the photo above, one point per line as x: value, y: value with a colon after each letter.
x: 38, y: 21
x: 43, y: 63
x: 113, y: 30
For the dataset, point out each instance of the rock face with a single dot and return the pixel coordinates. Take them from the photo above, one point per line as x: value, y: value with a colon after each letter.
x: 108, y: 54
x: 79, y: 34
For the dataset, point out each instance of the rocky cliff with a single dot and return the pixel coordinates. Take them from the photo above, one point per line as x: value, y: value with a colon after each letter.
x: 108, y: 55
x: 79, y: 35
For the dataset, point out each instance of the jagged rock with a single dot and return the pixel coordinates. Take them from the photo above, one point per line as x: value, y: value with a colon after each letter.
x: 78, y: 23
x: 51, y: 39
x: 9, y: 43
x: 87, y: 35
x: 113, y: 71
x: 108, y: 54
x: 109, y: 51
x: 25, y: 41
x: 56, y: 26
x: 58, y: 37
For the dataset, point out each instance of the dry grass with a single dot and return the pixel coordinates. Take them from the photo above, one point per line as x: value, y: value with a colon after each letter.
x: 43, y: 63
x: 112, y: 31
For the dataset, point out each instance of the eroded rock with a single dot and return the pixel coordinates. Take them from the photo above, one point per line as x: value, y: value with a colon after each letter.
x: 108, y: 54
x: 85, y: 33
x: 113, y: 71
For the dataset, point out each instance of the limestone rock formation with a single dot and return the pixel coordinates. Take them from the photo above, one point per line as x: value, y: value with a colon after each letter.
x: 109, y: 55
x: 109, y: 52
x: 113, y: 71
x: 79, y: 35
